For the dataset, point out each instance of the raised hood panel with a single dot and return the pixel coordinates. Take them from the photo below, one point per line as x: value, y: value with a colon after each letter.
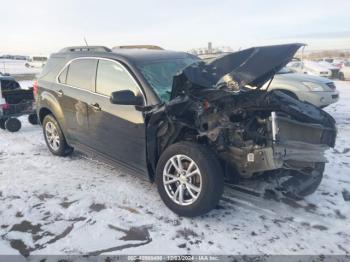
x: 253, y: 66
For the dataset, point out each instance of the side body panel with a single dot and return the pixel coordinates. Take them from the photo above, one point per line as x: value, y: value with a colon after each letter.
x: 118, y: 131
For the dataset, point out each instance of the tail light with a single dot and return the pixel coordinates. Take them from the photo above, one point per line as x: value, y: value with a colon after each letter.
x: 4, y: 106
x: 35, y: 88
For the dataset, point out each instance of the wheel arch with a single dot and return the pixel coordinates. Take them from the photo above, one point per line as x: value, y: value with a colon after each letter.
x: 288, y: 92
x: 156, y: 147
x: 44, y: 111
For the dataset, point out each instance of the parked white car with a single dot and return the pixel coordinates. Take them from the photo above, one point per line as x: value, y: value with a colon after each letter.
x: 316, y: 90
x: 36, y: 61
x: 310, y: 68
x: 334, y: 69
x: 344, y: 73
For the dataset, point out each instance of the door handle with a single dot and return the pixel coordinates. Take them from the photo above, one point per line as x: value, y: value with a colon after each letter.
x: 59, y: 93
x: 96, y: 107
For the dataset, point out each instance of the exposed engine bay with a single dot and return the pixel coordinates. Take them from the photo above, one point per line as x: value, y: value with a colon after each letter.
x: 253, y: 132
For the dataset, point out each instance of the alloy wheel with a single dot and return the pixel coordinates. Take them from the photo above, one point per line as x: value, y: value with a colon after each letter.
x: 52, y: 136
x: 182, y: 180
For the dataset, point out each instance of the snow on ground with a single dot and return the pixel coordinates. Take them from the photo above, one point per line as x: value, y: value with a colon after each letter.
x: 76, y: 205
x: 17, y: 67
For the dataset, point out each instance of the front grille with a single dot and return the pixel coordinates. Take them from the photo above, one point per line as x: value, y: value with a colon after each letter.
x: 293, y: 130
x: 335, y: 96
x: 331, y: 85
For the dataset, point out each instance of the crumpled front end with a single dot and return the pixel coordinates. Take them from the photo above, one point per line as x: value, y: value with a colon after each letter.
x: 290, y: 145
x: 253, y: 132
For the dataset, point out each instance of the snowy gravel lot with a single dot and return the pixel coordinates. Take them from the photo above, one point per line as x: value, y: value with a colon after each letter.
x: 76, y: 205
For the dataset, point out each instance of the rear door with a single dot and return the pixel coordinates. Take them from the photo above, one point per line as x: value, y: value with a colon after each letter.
x: 117, y: 131
x: 78, y: 84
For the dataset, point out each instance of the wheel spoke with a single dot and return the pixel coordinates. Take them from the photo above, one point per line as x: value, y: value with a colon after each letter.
x: 190, y: 166
x: 179, y: 163
x: 171, y: 176
x: 189, y: 191
x: 170, y: 181
x: 192, y: 187
x: 49, y: 128
x: 196, y: 171
x: 175, y: 165
x: 176, y: 192
x: 181, y: 194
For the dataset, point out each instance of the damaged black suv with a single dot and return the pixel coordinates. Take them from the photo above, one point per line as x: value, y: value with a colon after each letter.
x: 190, y: 125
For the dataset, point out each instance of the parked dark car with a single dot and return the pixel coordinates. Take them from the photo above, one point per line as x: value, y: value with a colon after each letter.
x: 15, y: 102
x: 188, y: 124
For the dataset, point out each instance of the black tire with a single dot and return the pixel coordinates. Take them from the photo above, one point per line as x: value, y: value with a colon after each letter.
x: 341, y: 76
x: 2, y: 123
x: 63, y: 149
x: 299, y: 179
x: 33, y: 119
x: 211, y: 175
x: 13, y: 125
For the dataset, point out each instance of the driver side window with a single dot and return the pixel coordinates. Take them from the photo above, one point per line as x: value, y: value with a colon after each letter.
x: 113, y: 77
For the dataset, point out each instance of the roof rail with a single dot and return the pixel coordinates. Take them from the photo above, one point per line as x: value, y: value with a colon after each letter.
x: 152, y: 47
x: 85, y: 49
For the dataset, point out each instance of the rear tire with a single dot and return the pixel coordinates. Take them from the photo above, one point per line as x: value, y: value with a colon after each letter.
x: 54, y: 138
x: 199, y: 179
x: 13, y: 125
x: 33, y: 119
x: 341, y: 76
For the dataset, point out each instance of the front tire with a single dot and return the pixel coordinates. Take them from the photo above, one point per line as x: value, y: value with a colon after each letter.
x: 189, y: 179
x: 54, y: 137
x: 341, y: 76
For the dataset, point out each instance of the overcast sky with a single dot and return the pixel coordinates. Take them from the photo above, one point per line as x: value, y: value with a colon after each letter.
x: 45, y: 26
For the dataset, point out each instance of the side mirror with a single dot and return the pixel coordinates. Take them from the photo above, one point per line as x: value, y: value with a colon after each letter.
x: 125, y: 97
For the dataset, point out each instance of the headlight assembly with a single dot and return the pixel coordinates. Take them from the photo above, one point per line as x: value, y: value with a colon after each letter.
x: 313, y: 86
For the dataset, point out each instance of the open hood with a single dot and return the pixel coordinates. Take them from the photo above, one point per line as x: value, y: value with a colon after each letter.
x: 253, y: 66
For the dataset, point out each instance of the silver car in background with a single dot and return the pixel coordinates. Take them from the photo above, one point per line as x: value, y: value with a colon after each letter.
x: 316, y: 90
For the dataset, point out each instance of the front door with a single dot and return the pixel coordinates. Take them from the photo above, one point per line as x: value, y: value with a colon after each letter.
x: 117, y: 131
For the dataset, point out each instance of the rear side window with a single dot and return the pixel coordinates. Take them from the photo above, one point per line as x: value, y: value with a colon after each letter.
x: 52, y: 68
x: 113, y: 77
x: 81, y: 74
x: 62, y: 78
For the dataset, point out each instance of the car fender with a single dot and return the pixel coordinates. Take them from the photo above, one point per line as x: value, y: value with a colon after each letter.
x: 49, y: 101
x: 294, y: 87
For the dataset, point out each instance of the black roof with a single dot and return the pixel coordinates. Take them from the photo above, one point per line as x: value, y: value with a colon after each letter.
x: 147, y: 55
x: 133, y: 55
